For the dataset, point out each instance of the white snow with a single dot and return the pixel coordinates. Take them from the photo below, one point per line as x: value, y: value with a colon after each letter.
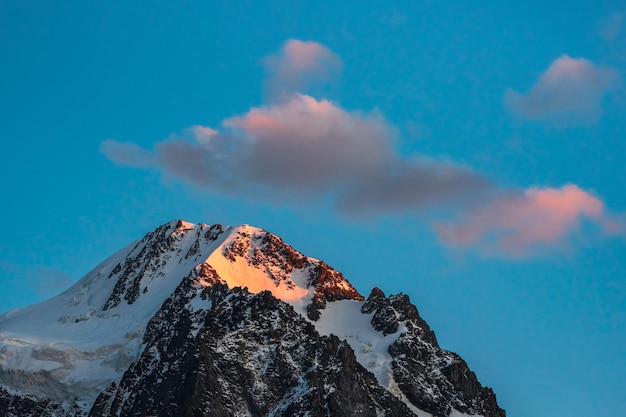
x: 344, y: 319
x: 84, y: 347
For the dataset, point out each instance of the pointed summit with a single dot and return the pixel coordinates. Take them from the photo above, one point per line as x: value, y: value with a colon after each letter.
x: 242, y: 256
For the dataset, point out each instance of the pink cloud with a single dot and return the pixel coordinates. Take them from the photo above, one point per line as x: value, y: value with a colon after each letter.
x: 518, y: 225
x: 299, y: 66
x: 203, y: 133
x: 568, y: 93
x: 308, y: 150
x: 312, y: 143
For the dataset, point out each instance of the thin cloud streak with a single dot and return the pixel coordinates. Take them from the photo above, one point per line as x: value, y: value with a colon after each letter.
x: 568, y: 93
x: 126, y: 153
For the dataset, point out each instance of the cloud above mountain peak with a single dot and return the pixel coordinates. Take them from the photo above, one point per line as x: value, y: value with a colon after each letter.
x: 312, y: 149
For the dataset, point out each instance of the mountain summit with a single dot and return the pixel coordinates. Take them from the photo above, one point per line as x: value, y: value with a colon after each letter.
x: 198, y: 320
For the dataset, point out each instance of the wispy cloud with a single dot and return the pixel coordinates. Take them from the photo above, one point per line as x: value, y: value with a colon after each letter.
x: 523, y: 223
x: 126, y: 153
x: 568, y: 93
x: 298, y: 66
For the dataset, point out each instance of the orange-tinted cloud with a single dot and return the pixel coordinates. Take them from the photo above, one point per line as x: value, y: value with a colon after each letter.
x: 518, y: 225
x: 568, y: 93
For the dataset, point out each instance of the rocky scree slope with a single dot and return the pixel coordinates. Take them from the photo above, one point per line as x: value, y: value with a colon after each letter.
x: 198, y: 320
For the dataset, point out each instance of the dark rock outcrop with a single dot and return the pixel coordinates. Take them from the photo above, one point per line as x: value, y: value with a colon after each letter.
x: 432, y: 379
x: 151, y: 253
x: 247, y: 353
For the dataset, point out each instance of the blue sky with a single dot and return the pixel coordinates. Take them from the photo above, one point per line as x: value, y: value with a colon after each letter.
x: 468, y: 155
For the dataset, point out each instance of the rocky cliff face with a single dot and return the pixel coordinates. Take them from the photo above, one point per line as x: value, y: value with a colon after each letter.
x: 431, y: 378
x: 238, y: 353
x: 197, y: 320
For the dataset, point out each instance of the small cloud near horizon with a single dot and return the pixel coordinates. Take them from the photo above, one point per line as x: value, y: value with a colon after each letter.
x: 568, y: 93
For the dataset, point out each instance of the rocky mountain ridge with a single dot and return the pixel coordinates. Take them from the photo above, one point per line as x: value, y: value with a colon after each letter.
x: 198, y: 320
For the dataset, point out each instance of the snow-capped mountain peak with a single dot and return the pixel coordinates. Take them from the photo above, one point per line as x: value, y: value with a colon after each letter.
x: 119, y: 326
x: 87, y: 336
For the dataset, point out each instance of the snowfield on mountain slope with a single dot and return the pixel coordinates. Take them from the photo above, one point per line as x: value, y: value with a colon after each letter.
x: 344, y: 319
x: 82, y: 346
